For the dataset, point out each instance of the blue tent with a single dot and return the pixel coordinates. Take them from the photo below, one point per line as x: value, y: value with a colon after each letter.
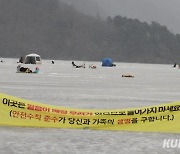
x: 107, y: 62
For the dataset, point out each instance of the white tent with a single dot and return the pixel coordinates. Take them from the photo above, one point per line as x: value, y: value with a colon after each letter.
x: 32, y: 59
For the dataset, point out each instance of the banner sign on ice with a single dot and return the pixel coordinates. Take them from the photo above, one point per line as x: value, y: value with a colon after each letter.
x: 19, y: 112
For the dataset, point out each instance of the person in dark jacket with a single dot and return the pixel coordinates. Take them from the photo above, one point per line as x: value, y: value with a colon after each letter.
x: 23, y: 69
x: 77, y: 66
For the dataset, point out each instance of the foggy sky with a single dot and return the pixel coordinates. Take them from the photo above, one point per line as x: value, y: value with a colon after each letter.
x: 165, y: 12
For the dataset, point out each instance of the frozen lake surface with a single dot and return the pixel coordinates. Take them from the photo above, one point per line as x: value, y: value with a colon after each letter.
x: 102, y: 88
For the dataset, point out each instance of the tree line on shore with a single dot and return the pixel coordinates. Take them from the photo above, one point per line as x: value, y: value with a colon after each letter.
x: 56, y: 30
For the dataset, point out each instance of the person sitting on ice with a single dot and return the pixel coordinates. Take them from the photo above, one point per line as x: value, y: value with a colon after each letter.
x: 36, y: 70
x: 78, y: 66
x: 23, y: 69
x: 92, y: 66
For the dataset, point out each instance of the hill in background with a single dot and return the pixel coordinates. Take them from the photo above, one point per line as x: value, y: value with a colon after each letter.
x: 56, y: 30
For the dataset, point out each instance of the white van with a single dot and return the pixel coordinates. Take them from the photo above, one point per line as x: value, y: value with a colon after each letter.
x: 32, y: 59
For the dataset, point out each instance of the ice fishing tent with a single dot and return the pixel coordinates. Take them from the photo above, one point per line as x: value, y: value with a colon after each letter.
x: 107, y: 62
x: 32, y: 59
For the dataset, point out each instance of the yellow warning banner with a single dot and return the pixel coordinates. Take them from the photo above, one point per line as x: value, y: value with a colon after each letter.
x: 19, y: 112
